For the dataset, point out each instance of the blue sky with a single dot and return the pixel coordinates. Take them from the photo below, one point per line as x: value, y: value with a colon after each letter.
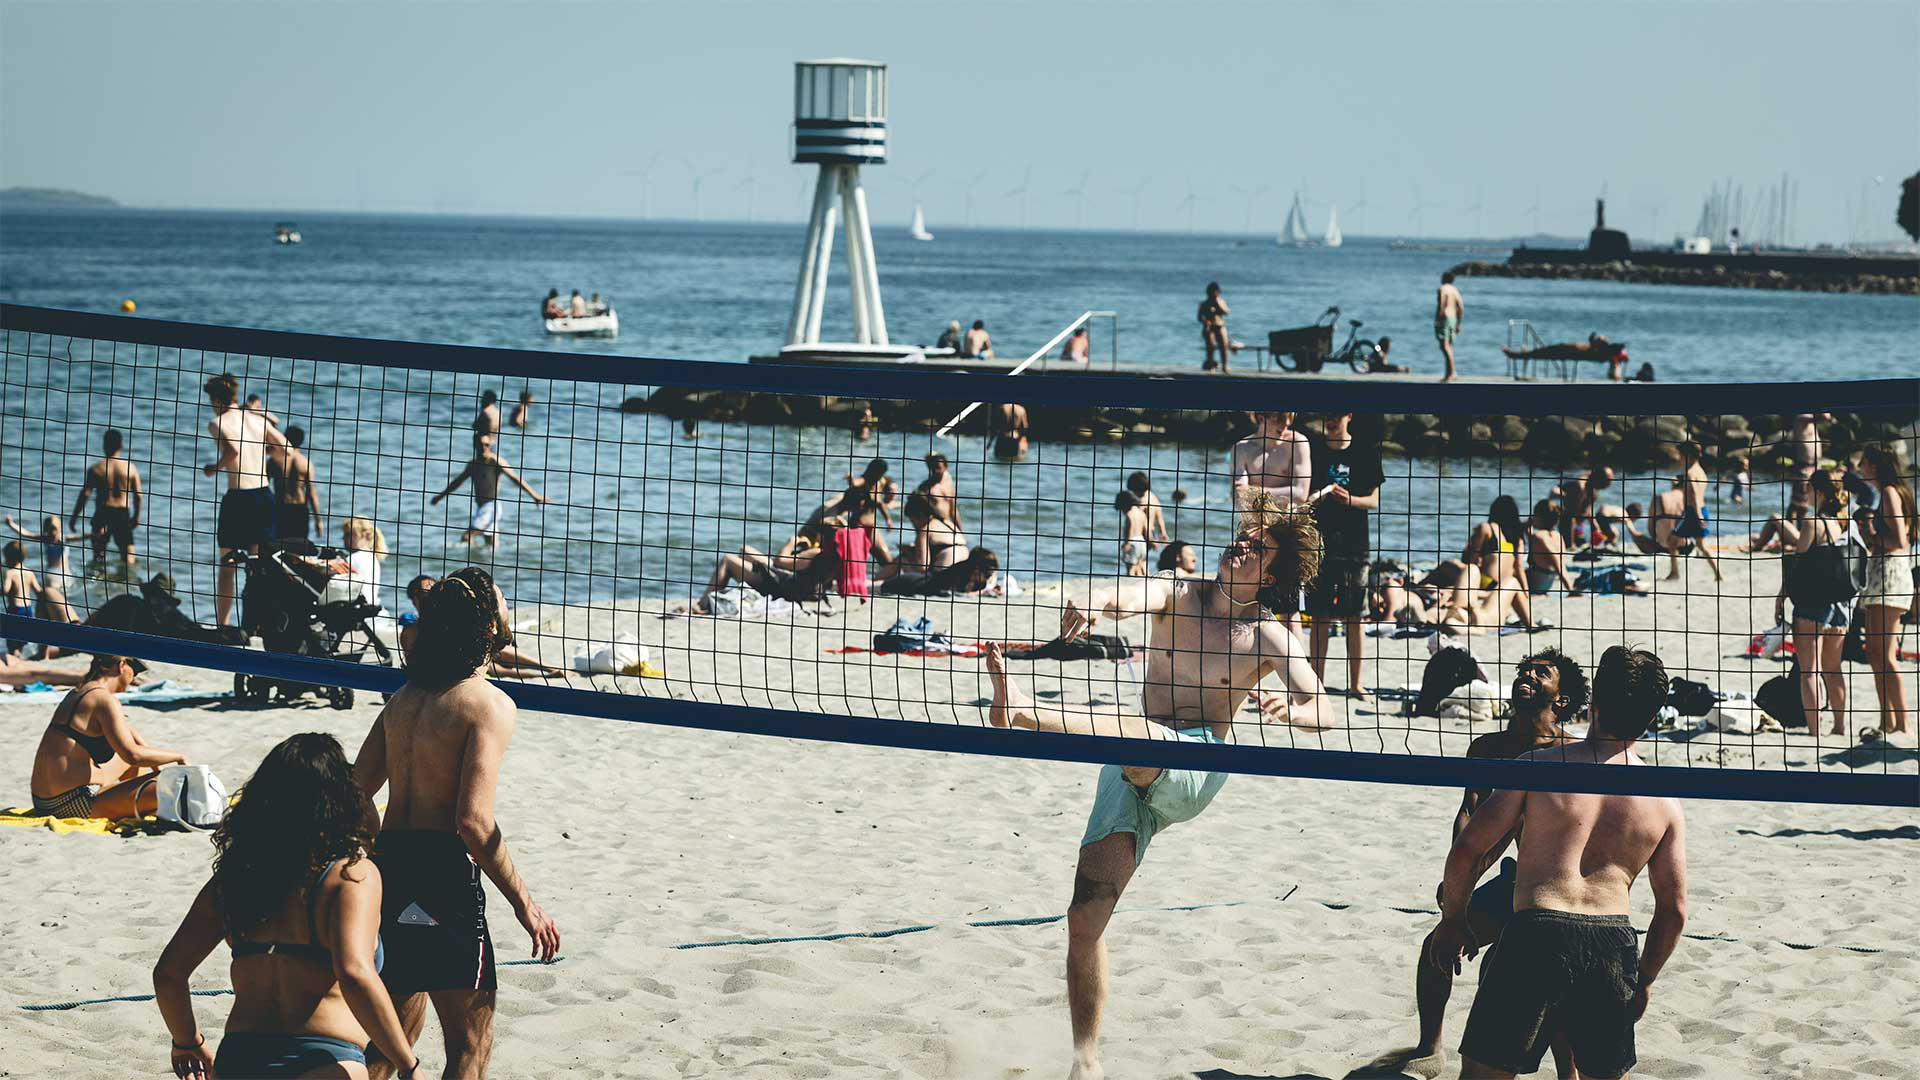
x: 1422, y: 112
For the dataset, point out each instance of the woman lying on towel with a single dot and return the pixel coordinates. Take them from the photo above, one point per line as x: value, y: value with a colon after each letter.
x: 90, y: 760
x: 750, y: 568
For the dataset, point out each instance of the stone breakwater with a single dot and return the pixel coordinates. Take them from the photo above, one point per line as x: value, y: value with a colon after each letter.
x: 1623, y: 441
x: 1717, y: 274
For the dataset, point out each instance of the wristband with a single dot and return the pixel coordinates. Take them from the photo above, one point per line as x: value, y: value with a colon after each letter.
x: 198, y: 1042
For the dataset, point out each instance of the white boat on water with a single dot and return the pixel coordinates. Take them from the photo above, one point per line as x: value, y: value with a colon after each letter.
x: 607, y: 323
x: 1294, y: 233
x: 919, y: 230
x: 1333, y: 237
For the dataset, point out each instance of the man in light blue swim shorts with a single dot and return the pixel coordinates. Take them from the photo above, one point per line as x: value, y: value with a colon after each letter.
x: 1209, y: 643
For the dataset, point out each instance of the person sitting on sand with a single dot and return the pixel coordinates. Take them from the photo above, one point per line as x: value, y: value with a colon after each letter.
x: 485, y: 470
x: 1581, y: 521
x: 936, y: 544
x: 1596, y: 347
x: 90, y: 760
x: 1546, y: 551
x: 754, y: 570
x: 508, y: 661
x: 1549, y: 690
x: 1568, y: 962
x: 1179, y: 559
x: 1378, y: 363
x: 296, y: 898
x: 440, y: 741
x: 1133, y: 534
x: 1210, y: 642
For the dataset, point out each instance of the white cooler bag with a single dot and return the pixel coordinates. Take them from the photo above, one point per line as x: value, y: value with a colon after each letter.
x: 190, y: 796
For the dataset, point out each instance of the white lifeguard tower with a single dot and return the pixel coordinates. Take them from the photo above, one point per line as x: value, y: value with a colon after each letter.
x: 840, y: 123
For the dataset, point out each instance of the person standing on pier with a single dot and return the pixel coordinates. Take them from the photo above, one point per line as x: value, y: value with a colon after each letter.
x: 1213, y: 327
x: 1447, y: 312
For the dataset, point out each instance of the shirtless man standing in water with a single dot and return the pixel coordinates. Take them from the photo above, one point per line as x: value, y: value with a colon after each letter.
x: 114, y: 484
x: 437, y: 747
x: 1568, y: 962
x: 244, y: 439
x: 1210, y: 643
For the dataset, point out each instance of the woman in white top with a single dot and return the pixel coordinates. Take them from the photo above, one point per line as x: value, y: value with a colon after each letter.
x: 1890, y: 585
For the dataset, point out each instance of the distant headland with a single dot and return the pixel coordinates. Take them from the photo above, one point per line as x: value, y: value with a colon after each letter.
x: 40, y: 198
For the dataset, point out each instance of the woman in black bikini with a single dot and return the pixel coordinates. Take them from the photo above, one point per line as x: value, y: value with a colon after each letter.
x: 297, y: 899
x: 90, y: 759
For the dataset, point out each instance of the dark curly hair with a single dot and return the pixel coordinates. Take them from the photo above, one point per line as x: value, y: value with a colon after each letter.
x: 1573, y: 681
x: 298, y: 812
x: 460, y: 629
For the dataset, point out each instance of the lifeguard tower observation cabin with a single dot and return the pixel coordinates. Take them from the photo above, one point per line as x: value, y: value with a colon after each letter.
x: 840, y: 124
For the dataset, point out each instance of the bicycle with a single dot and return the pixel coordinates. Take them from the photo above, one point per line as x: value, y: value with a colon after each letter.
x: 1357, y: 353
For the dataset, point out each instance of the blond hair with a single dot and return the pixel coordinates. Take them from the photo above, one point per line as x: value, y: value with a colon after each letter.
x: 1295, y: 540
x: 363, y: 535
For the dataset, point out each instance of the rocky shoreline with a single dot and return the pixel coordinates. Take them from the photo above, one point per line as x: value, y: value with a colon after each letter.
x: 1628, y: 442
x: 1718, y: 275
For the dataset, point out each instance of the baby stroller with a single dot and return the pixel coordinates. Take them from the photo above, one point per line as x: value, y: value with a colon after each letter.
x: 284, y: 603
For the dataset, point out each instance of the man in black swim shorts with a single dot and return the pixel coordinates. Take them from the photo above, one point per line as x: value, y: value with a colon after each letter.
x: 1568, y: 962
x: 439, y: 742
x: 244, y: 440
x: 114, y: 484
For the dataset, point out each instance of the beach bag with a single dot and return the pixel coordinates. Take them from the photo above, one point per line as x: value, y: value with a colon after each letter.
x: 1690, y: 698
x: 190, y: 796
x: 1765, y: 645
x: 1827, y: 574
x: 1854, y: 649
x: 1779, y: 697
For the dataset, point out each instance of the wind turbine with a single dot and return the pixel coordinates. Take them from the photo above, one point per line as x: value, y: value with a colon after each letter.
x: 699, y: 176
x: 1079, y: 192
x: 646, y: 185
x: 1478, y: 208
x: 971, y: 184
x: 1533, y: 211
x: 1134, y: 194
x: 1022, y: 192
x: 1251, y: 195
x: 752, y: 184
x: 1192, y: 200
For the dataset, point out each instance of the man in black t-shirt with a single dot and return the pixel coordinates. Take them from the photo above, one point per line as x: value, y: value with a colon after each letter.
x: 1345, y: 485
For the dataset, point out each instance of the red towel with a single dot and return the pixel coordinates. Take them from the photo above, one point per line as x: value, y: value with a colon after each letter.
x: 853, y: 546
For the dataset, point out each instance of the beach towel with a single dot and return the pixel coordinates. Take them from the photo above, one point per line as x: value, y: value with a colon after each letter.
x: 146, y: 693
x: 917, y: 636
x: 28, y: 817
x: 1605, y: 582
x: 1091, y: 647
x: 853, y: 546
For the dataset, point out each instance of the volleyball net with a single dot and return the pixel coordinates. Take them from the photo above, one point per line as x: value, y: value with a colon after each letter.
x: 796, y: 551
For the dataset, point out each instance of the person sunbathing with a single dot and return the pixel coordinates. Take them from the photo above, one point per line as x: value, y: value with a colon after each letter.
x: 971, y: 576
x: 757, y: 572
x: 90, y: 761
x: 508, y: 662
x: 936, y: 545
x: 1596, y: 347
x: 19, y: 671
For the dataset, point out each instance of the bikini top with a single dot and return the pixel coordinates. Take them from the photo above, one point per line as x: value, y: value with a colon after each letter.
x: 53, y: 551
x: 96, y: 746
x: 310, y: 948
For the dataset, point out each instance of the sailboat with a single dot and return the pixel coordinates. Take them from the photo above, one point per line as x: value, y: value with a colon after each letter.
x: 1333, y: 237
x: 1294, y: 233
x: 919, y: 230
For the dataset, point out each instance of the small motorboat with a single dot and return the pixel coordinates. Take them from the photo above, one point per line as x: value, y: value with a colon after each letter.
x: 286, y: 232
x: 606, y: 322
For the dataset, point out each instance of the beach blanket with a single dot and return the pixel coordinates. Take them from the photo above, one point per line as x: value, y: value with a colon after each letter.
x: 28, y: 817
x: 146, y: 693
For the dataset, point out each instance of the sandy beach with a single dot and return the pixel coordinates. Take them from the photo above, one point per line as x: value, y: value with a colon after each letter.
x: 1273, y: 937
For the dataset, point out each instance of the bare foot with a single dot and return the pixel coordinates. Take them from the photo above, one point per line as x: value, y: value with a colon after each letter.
x: 1009, y: 701
x: 1086, y: 1067
x: 1359, y: 693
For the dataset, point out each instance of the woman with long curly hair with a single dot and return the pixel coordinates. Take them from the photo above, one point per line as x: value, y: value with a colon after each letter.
x: 295, y: 896
x: 1890, y: 530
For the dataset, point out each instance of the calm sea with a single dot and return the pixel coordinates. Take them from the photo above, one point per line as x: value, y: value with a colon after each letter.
x: 639, y: 509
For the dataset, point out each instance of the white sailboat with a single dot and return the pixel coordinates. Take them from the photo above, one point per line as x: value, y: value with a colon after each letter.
x: 919, y: 230
x: 1294, y: 234
x: 1333, y: 237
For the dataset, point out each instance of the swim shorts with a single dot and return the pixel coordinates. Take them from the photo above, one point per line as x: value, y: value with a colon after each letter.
x: 1540, y: 580
x: 1693, y: 524
x: 1557, y: 971
x: 77, y: 802
x: 1131, y: 552
x: 1007, y: 446
x: 433, y: 914
x: 114, y: 521
x: 1340, y: 591
x: 1445, y: 330
x: 19, y: 611
x: 276, y: 1053
x: 1175, y: 795
x: 246, y: 517
x: 486, y: 517
x: 290, y: 521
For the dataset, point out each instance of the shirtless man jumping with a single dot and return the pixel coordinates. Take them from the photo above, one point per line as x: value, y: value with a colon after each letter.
x: 1568, y: 961
x: 437, y: 747
x: 114, y: 484
x: 1210, y: 643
